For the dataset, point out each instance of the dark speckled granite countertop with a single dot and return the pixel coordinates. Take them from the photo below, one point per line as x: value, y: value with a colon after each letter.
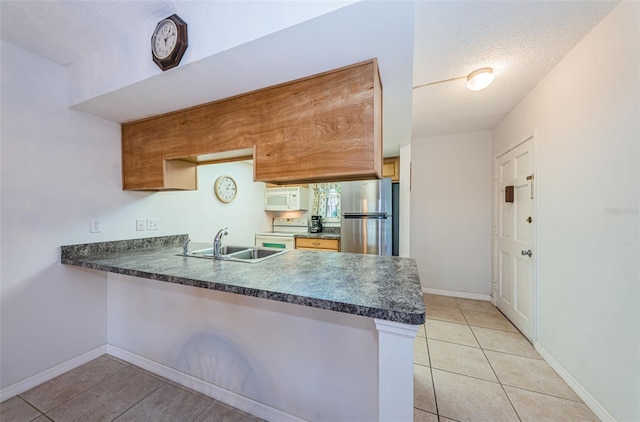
x: 321, y: 235
x: 380, y: 287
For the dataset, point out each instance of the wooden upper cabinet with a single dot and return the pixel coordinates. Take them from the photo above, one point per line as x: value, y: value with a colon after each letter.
x: 326, y: 127
x: 391, y: 168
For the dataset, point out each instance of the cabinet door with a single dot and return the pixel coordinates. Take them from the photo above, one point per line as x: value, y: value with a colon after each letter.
x: 289, y: 129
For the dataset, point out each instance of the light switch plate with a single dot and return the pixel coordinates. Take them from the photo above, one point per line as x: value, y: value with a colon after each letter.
x: 141, y: 224
x: 153, y: 223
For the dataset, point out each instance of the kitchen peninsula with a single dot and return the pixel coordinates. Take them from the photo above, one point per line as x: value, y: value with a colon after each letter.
x: 236, y: 331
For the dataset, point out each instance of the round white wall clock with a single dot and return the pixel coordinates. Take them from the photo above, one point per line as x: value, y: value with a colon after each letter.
x: 225, y: 189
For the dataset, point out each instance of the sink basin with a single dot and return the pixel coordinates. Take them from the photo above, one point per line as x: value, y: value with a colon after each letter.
x: 255, y: 253
x: 225, y: 250
x: 246, y: 254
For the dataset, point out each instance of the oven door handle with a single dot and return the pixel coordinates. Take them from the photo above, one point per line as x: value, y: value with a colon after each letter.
x: 274, y: 245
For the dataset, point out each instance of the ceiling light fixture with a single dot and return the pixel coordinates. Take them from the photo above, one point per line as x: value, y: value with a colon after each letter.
x: 476, y: 80
x: 480, y: 79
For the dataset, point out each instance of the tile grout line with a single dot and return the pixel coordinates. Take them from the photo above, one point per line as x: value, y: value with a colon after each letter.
x: 512, y: 354
x: 485, y: 356
x: 163, y: 383
x: 480, y: 347
x: 468, y: 376
x: 497, y: 329
x: 528, y: 357
x: 32, y: 406
x: 494, y: 373
x: 70, y: 398
x: 433, y: 383
x: 204, y: 410
x: 453, y: 342
x: 545, y: 394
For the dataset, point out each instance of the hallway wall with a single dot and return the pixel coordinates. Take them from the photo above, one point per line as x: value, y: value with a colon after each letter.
x: 585, y: 118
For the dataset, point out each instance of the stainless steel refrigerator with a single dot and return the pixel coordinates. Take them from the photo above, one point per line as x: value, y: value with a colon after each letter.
x: 366, y: 225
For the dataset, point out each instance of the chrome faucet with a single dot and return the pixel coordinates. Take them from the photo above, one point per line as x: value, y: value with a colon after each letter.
x: 217, y: 242
x: 185, y: 247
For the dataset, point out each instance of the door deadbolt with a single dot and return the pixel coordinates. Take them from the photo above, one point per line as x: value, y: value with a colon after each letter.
x: 529, y: 220
x: 527, y: 253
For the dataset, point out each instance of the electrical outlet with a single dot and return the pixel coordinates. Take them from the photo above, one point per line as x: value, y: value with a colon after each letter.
x: 95, y: 226
x: 141, y: 224
x: 153, y: 223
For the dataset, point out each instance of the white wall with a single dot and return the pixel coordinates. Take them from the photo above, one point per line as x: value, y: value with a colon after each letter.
x: 60, y: 169
x: 102, y: 71
x: 586, y: 118
x: 451, y: 212
x: 200, y: 214
x: 405, y: 201
x: 315, y: 364
x: 57, y: 169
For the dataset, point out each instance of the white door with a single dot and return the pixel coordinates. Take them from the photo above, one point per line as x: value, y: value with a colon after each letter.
x: 514, y: 231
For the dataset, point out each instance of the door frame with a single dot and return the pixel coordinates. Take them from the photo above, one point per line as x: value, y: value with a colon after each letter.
x: 494, y: 243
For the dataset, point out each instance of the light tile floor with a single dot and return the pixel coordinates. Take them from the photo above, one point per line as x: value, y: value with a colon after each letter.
x: 472, y: 364
x: 109, y: 389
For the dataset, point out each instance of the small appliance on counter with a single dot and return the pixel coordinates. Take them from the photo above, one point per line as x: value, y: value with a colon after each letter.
x: 316, y: 224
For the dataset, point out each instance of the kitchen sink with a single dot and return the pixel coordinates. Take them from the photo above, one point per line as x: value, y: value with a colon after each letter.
x: 225, y: 250
x: 255, y: 253
x: 246, y: 254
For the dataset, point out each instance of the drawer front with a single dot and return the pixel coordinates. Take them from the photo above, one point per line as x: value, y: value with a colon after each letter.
x: 328, y: 244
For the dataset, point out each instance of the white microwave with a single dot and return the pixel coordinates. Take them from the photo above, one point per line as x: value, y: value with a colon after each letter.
x: 286, y: 199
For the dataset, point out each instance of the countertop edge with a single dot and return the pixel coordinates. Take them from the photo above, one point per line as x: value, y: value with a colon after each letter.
x: 82, y: 260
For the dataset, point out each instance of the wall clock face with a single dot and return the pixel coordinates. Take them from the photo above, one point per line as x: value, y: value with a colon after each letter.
x: 169, y: 42
x: 225, y: 189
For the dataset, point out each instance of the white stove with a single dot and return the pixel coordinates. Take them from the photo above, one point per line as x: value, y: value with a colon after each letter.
x: 282, y: 235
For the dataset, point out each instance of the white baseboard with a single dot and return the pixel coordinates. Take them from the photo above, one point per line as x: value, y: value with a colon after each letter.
x: 454, y: 293
x: 586, y: 397
x: 229, y: 397
x: 51, y: 373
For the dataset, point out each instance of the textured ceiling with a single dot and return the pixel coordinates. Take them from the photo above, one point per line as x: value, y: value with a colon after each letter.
x: 64, y: 31
x: 521, y: 40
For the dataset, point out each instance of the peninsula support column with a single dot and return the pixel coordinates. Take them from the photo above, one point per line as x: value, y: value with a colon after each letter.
x: 395, y: 370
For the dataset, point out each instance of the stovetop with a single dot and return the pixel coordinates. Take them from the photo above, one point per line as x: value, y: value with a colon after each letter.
x: 286, y: 227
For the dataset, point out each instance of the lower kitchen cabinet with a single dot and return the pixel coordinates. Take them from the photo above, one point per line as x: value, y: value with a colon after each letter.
x: 326, y: 245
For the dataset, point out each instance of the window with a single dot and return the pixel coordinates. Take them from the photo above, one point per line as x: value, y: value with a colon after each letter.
x: 326, y: 201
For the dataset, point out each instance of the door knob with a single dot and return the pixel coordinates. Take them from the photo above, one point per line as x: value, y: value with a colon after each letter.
x: 528, y: 253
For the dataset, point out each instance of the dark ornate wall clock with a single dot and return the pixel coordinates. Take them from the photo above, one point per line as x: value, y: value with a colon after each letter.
x: 169, y: 42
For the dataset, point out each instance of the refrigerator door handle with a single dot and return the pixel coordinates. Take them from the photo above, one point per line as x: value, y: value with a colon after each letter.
x: 366, y: 216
